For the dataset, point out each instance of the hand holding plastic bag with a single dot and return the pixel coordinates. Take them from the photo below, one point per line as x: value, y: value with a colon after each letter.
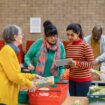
x: 38, y: 77
x: 30, y: 67
x: 33, y: 88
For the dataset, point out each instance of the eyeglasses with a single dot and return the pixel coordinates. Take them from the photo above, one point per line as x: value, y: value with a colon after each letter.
x: 21, y: 35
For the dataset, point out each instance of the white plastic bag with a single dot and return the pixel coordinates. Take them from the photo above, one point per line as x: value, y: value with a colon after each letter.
x: 102, y: 67
x: 102, y: 70
x: 102, y: 76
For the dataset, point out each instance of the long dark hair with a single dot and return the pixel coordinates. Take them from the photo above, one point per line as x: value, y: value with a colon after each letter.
x: 76, y: 28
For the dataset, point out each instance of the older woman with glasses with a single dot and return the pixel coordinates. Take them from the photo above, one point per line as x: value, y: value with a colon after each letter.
x: 10, y: 76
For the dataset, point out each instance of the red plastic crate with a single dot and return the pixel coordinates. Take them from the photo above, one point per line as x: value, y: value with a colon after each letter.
x: 54, y: 96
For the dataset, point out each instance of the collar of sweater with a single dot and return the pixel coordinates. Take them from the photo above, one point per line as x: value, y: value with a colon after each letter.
x: 15, y: 48
x: 77, y: 42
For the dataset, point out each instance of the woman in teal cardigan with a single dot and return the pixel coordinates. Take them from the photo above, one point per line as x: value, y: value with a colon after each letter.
x: 41, y: 55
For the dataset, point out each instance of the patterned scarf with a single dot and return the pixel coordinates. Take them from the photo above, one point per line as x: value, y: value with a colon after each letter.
x: 43, y: 57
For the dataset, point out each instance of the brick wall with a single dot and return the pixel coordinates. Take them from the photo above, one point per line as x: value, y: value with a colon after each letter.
x: 61, y: 12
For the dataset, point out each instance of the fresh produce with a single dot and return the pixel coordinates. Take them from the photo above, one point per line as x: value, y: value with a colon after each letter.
x: 95, y: 71
x: 95, y: 74
x: 94, y: 88
x: 77, y: 102
x: 97, y: 90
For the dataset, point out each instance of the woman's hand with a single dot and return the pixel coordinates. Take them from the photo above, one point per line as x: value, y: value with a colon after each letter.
x: 72, y: 63
x: 30, y: 67
x: 33, y: 88
x: 96, y: 62
x: 38, y: 77
x: 61, y: 77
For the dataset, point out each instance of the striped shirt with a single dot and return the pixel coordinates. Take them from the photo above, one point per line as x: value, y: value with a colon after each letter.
x: 82, y: 53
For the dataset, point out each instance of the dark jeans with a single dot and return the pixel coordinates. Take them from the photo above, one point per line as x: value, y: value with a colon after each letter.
x: 79, y: 88
x: 2, y: 104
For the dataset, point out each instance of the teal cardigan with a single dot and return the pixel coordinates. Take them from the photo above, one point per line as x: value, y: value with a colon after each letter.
x: 34, y: 52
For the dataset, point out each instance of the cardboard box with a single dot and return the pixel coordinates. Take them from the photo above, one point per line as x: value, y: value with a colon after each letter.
x: 70, y: 100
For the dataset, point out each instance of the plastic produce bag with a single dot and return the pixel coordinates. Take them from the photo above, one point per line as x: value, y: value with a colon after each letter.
x: 95, y: 75
x: 45, y: 81
x: 102, y: 76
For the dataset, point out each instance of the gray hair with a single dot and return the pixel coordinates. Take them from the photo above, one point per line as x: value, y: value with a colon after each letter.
x: 10, y: 31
